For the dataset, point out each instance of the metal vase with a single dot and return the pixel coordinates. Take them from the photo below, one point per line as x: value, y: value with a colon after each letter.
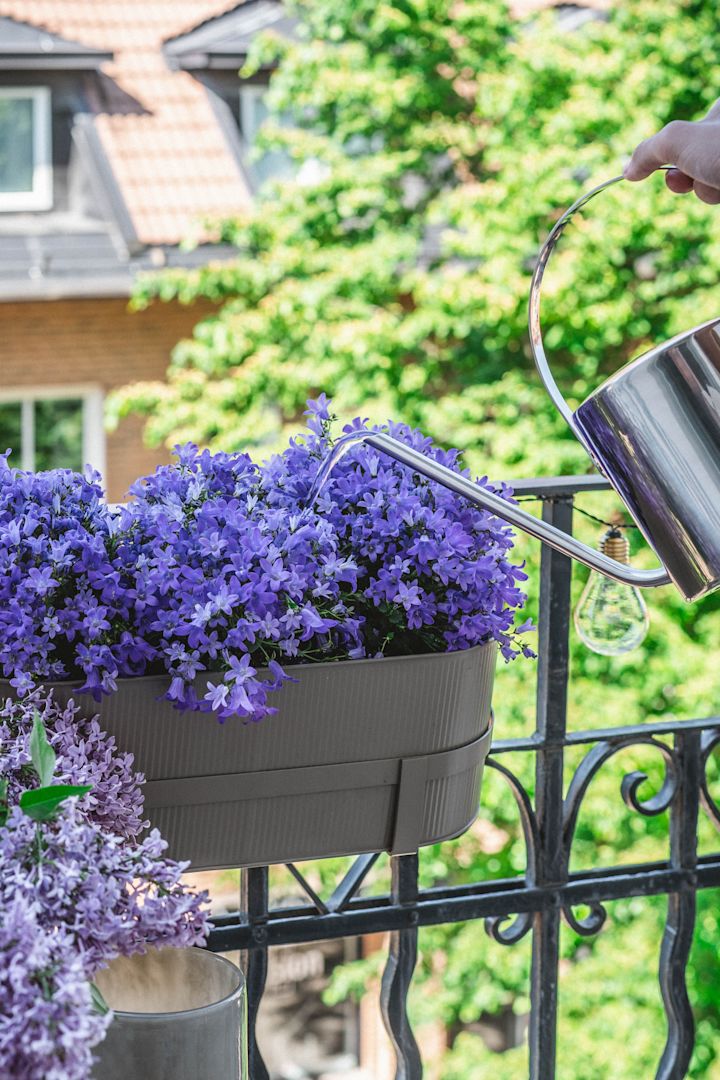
x: 179, y: 1014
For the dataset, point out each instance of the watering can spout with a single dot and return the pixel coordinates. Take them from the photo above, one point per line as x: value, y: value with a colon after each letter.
x: 512, y: 513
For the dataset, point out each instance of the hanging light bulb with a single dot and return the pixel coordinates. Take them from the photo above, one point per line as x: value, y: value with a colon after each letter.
x: 611, y: 619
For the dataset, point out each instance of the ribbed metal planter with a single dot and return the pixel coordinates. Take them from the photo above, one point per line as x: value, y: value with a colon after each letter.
x: 362, y: 755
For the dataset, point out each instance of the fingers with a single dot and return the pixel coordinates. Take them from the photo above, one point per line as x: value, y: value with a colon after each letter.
x: 694, y: 151
x: 706, y: 193
x: 679, y: 182
x: 644, y: 161
x: 661, y: 149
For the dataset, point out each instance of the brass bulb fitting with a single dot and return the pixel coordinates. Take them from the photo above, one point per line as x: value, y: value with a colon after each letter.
x: 615, y: 546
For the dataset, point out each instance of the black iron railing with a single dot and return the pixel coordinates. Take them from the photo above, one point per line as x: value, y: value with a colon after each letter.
x: 548, y: 892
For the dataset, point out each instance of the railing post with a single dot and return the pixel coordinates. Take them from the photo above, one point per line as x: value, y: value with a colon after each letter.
x: 551, y: 868
x: 399, y: 972
x: 680, y: 923
x: 254, y: 901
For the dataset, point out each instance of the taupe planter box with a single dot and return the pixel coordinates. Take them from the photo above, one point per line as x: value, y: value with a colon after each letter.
x: 363, y: 755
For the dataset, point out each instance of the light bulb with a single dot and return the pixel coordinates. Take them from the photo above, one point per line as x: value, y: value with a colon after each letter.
x: 611, y: 619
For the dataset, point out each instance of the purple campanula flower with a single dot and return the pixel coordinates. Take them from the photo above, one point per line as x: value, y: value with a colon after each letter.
x: 218, y: 562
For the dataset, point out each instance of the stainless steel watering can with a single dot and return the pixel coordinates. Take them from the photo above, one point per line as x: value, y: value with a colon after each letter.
x: 653, y: 430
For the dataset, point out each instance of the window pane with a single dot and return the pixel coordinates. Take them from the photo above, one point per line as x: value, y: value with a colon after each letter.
x: 253, y: 111
x: 58, y: 434
x: 11, y: 431
x: 274, y: 164
x: 16, y: 144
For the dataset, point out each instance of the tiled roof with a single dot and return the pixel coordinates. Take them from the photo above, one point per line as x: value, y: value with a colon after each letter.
x: 165, y: 146
x: 35, y: 49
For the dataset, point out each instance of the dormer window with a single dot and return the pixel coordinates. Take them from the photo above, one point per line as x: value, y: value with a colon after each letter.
x: 25, y: 148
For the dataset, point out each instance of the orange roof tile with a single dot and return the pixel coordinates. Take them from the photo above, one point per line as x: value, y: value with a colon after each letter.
x: 162, y: 139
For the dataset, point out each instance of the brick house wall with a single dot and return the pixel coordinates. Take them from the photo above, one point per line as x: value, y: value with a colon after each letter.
x: 99, y: 343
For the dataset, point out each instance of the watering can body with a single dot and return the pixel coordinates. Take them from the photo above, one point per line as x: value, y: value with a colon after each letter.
x: 653, y: 429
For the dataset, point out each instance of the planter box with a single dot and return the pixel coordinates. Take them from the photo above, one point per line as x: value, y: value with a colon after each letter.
x: 363, y: 755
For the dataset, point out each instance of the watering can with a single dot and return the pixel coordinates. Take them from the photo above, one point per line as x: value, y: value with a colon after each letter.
x: 652, y: 430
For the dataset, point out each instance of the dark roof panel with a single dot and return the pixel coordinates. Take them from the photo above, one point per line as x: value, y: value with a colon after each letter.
x: 86, y: 263
x: 223, y: 42
x: 26, y: 47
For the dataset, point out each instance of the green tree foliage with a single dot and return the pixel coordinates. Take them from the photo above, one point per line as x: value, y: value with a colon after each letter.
x: 446, y: 138
x: 450, y: 137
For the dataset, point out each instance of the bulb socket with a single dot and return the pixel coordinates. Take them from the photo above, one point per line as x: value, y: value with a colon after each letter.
x: 615, y: 546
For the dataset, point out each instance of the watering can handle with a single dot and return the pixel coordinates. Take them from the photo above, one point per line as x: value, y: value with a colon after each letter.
x: 488, y: 499
x: 536, y: 340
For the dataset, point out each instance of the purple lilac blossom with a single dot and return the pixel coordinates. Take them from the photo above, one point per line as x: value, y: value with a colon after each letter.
x: 48, y: 1026
x: 85, y: 755
x: 75, y: 892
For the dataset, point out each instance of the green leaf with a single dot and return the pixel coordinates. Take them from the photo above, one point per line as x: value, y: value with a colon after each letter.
x: 99, y: 1003
x: 42, y: 754
x: 42, y: 803
x: 3, y: 801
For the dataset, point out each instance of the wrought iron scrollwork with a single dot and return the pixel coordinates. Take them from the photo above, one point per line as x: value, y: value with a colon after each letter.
x: 508, y: 929
x: 710, y: 739
x: 591, y: 765
x: 588, y: 925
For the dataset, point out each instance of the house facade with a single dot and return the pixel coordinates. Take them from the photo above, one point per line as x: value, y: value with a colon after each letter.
x: 123, y: 126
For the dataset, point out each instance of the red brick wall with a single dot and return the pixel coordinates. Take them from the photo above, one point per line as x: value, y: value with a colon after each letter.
x: 94, y: 343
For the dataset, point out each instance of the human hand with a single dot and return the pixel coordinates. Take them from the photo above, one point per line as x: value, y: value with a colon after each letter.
x: 692, y: 148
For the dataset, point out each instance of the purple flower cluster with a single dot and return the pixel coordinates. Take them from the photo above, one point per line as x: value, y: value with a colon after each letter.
x: 219, y: 574
x: 47, y: 1023
x: 434, y: 572
x: 58, y: 604
x: 221, y: 580
x: 85, y: 755
x: 75, y: 892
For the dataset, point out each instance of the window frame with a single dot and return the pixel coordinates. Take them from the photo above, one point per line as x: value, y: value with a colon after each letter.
x: 41, y: 195
x: 93, y: 426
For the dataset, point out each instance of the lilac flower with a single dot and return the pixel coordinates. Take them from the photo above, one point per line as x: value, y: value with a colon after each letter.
x: 47, y: 1024
x: 75, y: 892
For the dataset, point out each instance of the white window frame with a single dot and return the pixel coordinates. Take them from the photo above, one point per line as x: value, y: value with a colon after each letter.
x: 93, y: 447
x: 41, y: 196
